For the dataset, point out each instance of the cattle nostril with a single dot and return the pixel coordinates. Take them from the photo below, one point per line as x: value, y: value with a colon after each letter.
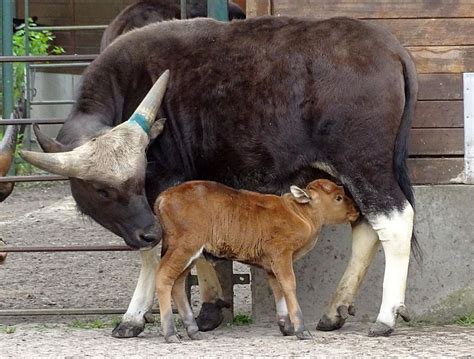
x: 148, y: 237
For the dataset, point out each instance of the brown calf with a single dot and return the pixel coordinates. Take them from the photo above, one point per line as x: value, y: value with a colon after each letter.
x: 267, y: 231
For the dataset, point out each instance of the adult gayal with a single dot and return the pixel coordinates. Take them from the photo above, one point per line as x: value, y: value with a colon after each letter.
x: 258, y: 104
x: 145, y: 12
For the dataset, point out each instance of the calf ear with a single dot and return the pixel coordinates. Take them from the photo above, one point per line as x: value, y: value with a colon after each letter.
x: 300, y: 195
x: 328, y: 186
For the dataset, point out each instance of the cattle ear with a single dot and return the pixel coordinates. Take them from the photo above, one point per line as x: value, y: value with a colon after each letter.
x: 157, y: 128
x: 300, y: 195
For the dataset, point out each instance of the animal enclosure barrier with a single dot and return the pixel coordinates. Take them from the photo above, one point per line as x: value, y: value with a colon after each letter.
x: 216, y: 9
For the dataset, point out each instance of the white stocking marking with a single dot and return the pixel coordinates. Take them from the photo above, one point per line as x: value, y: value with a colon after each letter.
x: 144, y: 293
x: 395, y: 231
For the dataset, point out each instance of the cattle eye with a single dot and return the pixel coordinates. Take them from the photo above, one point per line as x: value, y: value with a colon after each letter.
x: 339, y: 198
x: 103, y: 193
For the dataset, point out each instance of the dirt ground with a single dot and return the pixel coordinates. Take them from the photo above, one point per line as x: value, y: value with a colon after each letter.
x: 60, y: 340
x: 45, y: 215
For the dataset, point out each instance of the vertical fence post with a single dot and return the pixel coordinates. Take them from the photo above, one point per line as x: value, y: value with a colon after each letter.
x: 7, y: 68
x: 469, y: 127
x: 27, y: 82
x: 183, y: 9
x: 218, y: 9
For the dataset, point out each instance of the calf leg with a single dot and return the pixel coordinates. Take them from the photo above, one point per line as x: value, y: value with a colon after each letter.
x: 171, y: 266
x: 133, y: 321
x: 283, y: 269
x: 184, y: 309
x: 210, y: 316
x: 395, y: 232
x: 364, y: 246
x: 283, y: 318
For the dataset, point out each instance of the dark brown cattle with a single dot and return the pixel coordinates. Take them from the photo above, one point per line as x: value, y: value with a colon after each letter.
x: 258, y: 104
x: 145, y: 12
x: 7, y: 150
x: 266, y: 231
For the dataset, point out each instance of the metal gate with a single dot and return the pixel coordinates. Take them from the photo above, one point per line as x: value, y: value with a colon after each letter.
x: 216, y: 9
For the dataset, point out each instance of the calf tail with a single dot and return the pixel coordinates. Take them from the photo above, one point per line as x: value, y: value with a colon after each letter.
x: 401, y: 142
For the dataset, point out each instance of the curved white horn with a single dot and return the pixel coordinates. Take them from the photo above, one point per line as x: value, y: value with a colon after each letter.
x: 9, y: 139
x: 61, y: 163
x: 7, y: 148
x: 146, y: 112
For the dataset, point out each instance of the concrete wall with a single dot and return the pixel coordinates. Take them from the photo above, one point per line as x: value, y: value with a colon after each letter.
x: 438, y: 291
x: 52, y: 87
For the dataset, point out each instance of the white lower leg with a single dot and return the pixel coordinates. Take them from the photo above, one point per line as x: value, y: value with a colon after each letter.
x: 144, y: 293
x: 281, y: 307
x: 395, y: 231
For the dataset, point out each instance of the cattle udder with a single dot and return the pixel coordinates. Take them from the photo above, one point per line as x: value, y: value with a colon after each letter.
x: 267, y: 231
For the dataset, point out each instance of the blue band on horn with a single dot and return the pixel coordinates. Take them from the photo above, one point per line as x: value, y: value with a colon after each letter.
x: 141, y: 121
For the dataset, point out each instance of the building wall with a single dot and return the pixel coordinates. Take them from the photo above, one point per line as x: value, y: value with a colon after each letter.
x: 439, y: 37
x: 74, y: 12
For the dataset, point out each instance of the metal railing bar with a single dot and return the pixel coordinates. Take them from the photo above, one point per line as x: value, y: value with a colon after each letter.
x: 67, y: 28
x: 46, y: 58
x: 68, y: 64
x: 38, y: 178
x: 53, y: 102
x: 43, y: 249
x: 66, y: 311
x: 27, y: 121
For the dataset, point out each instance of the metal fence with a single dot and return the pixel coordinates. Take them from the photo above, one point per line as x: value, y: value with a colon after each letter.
x: 216, y: 9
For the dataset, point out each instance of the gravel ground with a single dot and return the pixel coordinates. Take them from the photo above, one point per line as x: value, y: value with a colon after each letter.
x: 243, y: 341
x: 45, y: 215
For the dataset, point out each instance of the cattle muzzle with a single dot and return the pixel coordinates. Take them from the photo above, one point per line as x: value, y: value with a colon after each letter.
x: 144, y: 238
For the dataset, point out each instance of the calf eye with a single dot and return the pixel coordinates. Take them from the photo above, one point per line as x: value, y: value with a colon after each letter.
x: 339, y: 198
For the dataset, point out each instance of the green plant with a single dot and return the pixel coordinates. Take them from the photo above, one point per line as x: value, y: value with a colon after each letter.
x: 40, y: 43
x: 242, y: 319
x: 466, y: 320
x: 7, y: 329
x: 22, y: 168
x: 90, y: 324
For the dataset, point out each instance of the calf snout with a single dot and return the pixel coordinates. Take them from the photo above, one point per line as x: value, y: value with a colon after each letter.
x: 352, y: 211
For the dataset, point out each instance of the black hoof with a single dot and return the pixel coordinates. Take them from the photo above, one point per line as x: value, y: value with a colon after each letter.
x: 379, y: 329
x: 327, y: 324
x: 197, y: 336
x: 127, y: 330
x: 286, y: 327
x: 210, y: 316
x: 304, y: 335
x: 402, y: 311
x: 149, y: 317
x: 173, y: 339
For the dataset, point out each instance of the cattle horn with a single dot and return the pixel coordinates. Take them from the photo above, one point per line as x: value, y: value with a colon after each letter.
x: 146, y: 112
x: 59, y: 163
x: 7, y: 148
x: 48, y: 144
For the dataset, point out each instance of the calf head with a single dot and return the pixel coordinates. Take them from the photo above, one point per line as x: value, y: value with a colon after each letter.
x: 7, y: 149
x: 107, y: 172
x: 327, y: 199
